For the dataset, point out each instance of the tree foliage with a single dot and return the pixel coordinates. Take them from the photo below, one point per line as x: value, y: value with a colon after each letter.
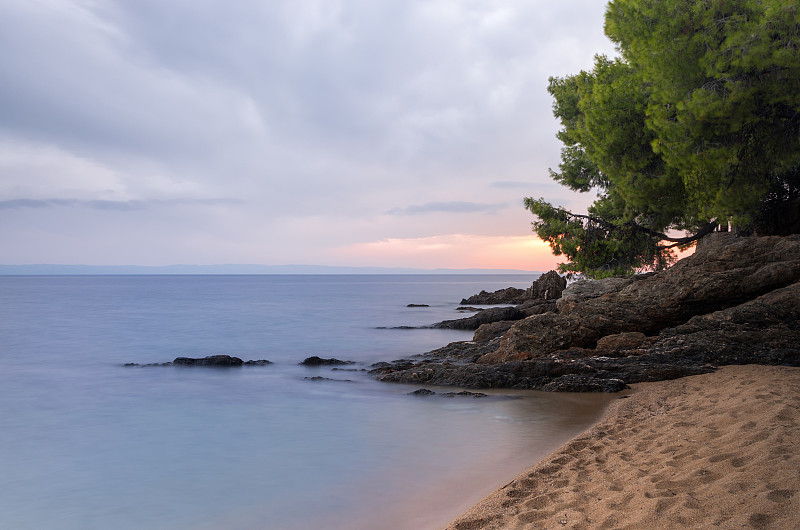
x: 697, y: 122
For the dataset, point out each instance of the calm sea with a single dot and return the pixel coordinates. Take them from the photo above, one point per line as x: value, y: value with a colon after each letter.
x: 86, y: 443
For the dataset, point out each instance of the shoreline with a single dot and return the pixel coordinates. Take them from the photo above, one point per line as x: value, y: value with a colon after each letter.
x: 710, y: 450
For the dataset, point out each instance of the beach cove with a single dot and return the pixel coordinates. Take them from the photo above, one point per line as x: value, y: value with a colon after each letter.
x: 703, y: 435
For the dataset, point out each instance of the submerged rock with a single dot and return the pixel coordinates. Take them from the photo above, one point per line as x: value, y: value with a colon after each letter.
x: 259, y: 362
x: 463, y: 393
x: 318, y: 361
x: 212, y: 360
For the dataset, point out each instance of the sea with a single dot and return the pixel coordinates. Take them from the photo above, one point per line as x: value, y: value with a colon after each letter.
x: 89, y: 443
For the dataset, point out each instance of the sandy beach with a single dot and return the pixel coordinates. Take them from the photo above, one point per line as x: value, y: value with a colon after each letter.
x: 710, y: 451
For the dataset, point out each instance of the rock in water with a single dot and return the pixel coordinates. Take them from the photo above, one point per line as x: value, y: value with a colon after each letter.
x: 213, y: 360
x: 547, y: 287
x: 318, y: 361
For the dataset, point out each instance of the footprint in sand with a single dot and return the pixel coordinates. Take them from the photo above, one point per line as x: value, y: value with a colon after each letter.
x: 781, y: 496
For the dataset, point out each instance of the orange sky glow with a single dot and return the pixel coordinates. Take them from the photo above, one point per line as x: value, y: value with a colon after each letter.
x: 456, y: 251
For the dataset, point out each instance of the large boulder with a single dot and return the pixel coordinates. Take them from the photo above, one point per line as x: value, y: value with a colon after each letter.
x: 548, y: 286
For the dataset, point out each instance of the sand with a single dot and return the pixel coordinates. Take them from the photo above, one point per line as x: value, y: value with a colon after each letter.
x: 717, y: 450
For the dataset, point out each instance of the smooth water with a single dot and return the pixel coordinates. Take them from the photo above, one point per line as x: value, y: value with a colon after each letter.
x: 86, y: 443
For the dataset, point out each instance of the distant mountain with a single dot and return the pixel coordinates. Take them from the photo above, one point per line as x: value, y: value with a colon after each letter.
x: 57, y: 270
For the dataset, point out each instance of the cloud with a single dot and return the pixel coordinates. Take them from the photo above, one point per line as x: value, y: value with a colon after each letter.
x: 318, y: 116
x: 505, y: 184
x: 111, y: 205
x: 447, y: 207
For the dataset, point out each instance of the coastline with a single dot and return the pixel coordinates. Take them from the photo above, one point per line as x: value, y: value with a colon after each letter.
x: 711, y: 450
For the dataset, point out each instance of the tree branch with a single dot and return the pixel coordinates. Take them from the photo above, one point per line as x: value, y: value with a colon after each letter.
x: 676, y: 241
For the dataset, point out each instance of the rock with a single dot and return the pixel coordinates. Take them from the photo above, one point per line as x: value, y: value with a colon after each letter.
x: 548, y: 286
x: 463, y: 393
x: 468, y: 308
x: 539, y: 335
x: 460, y: 352
x: 629, y: 340
x: 511, y: 295
x: 318, y: 361
x: 584, y: 383
x: 320, y: 378
x: 735, y: 301
x: 557, y: 373
x: 583, y: 290
x: 417, y: 305
x: 213, y: 360
x: 721, y: 274
x: 765, y: 330
x: 537, y: 307
x: 486, y: 316
x: 492, y: 330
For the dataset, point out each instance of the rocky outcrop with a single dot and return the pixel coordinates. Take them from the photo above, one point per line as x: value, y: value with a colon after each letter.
x: 539, y: 298
x: 735, y: 301
x: 721, y: 274
x: 547, y: 287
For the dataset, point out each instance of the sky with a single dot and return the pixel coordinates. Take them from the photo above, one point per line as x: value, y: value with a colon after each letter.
x: 326, y: 132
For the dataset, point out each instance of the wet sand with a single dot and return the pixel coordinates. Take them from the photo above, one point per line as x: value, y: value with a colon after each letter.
x: 717, y: 450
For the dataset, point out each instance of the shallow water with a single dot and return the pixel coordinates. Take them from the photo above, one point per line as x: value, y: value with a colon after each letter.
x: 87, y: 443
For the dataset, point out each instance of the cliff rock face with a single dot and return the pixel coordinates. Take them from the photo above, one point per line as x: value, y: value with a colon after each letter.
x: 735, y: 301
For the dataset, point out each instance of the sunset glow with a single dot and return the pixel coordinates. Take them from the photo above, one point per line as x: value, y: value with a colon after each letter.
x: 455, y: 251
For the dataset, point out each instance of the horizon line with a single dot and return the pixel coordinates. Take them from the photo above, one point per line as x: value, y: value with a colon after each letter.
x: 235, y: 269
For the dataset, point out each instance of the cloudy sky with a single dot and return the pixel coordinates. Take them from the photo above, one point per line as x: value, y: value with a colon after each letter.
x: 331, y: 132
